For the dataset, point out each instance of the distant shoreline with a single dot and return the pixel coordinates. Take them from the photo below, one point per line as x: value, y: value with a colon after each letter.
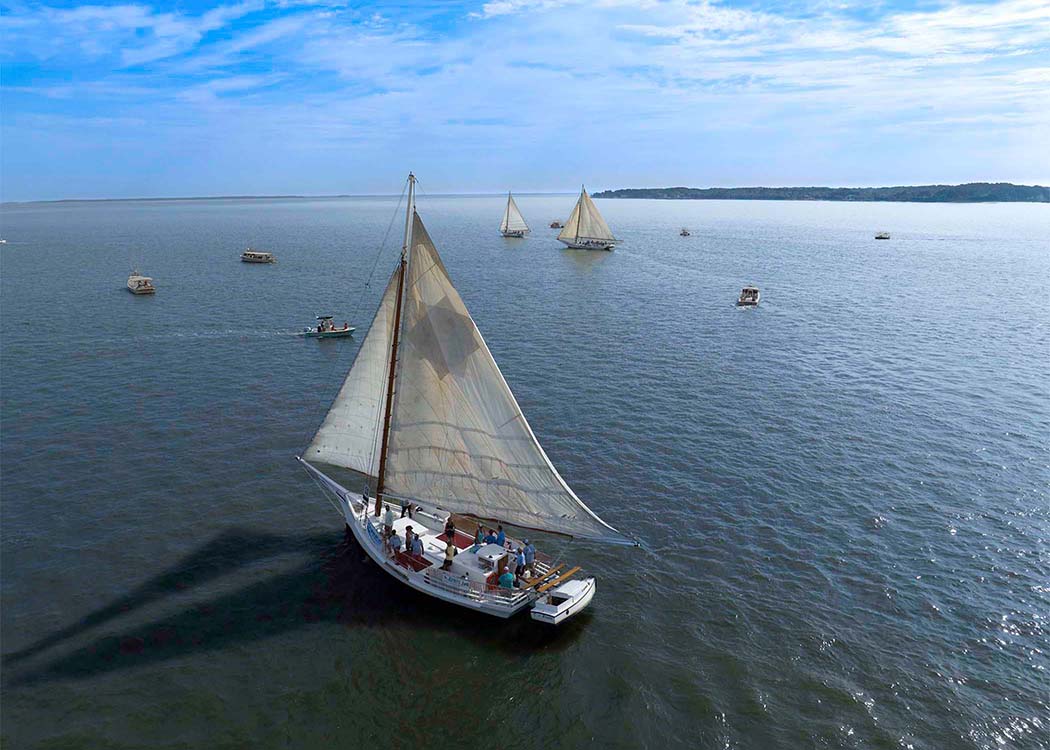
x: 973, y: 192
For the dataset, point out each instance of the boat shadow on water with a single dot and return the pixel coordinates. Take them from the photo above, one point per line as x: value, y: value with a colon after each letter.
x: 336, y: 584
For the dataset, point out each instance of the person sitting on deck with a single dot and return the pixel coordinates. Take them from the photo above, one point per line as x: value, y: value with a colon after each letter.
x: 506, y: 579
x: 395, y: 543
x: 346, y: 325
x: 501, y: 536
x: 490, y: 538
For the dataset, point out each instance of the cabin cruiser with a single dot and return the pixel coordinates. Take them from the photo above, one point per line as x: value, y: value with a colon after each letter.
x: 326, y: 329
x: 684, y: 232
x: 254, y: 256
x: 882, y: 236
x: 139, y: 284
x: 555, y: 224
x: 749, y: 296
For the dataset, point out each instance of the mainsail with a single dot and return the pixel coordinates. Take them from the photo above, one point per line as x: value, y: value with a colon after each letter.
x: 349, y: 436
x: 458, y: 439
x: 513, y: 221
x: 586, y: 223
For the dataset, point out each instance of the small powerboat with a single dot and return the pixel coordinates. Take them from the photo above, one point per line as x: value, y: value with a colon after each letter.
x: 882, y: 236
x: 139, y: 284
x: 555, y: 224
x: 684, y: 232
x: 749, y: 296
x: 254, y: 256
x: 326, y: 329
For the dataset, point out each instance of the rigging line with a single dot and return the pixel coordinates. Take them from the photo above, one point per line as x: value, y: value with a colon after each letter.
x: 321, y: 398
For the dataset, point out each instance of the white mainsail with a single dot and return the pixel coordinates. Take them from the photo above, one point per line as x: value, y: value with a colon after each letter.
x: 350, y: 436
x: 513, y: 221
x: 458, y: 439
x: 586, y: 223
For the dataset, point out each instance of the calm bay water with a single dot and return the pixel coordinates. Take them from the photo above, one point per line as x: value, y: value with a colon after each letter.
x: 844, y: 494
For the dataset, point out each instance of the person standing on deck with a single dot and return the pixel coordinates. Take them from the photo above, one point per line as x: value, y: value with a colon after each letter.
x: 388, y: 520
x: 417, y: 546
x: 395, y: 543
x: 512, y: 565
x: 450, y: 552
x: 478, y: 538
x: 519, y: 559
x: 530, y: 558
x: 501, y: 536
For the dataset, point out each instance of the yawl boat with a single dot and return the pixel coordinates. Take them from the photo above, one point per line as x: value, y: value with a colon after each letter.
x: 513, y: 224
x: 426, y: 416
x: 586, y: 229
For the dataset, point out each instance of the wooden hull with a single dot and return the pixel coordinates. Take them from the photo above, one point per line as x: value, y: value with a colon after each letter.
x: 517, y: 235
x: 587, y: 244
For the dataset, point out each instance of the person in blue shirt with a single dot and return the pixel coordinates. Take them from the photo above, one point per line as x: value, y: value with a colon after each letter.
x: 529, y: 557
x: 519, y: 558
x: 417, y: 546
x: 501, y: 537
x: 490, y: 538
x: 395, y: 543
x: 506, y: 579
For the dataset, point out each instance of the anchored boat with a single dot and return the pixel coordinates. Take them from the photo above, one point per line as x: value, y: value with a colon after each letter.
x: 255, y: 256
x: 426, y: 416
x: 586, y: 229
x: 749, y: 297
x: 139, y: 284
x: 513, y: 224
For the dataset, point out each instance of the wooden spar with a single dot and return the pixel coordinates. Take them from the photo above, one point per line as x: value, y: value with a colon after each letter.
x: 380, y: 481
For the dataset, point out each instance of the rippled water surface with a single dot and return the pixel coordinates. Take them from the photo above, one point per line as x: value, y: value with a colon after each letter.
x: 844, y: 495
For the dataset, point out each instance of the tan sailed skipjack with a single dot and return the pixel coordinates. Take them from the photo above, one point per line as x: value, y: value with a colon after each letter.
x: 513, y: 224
x: 425, y: 415
x: 586, y: 229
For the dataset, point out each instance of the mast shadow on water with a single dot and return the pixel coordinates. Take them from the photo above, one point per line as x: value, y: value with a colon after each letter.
x: 335, y: 584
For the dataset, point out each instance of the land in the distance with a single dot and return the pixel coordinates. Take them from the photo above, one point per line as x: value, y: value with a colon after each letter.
x: 973, y: 192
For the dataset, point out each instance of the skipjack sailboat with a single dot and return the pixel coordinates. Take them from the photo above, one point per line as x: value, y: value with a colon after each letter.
x: 513, y: 224
x: 586, y: 229
x: 426, y: 415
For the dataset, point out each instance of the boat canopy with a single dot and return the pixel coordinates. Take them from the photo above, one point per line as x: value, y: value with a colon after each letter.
x: 457, y: 439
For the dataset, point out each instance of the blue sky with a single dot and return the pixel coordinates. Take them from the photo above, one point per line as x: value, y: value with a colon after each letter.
x: 318, y: 97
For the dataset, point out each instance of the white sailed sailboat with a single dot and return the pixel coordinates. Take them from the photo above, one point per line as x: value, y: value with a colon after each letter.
x: 586, y: 229
x: 513, y: 224
x: 425, y: 415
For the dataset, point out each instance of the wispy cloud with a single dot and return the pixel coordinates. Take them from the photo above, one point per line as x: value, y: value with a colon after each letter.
x: 636, y: 91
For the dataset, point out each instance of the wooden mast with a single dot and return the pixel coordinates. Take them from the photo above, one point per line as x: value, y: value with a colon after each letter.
x: 393, y: 347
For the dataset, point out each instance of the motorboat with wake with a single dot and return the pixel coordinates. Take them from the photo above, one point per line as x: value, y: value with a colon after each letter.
x: 326, y: 329
x: 586, y: 229
x: 513, y: 224
x: 427, y: 418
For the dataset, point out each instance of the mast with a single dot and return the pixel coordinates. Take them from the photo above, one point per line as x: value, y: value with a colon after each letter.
x: 409, y: 209
x: 580, y: 215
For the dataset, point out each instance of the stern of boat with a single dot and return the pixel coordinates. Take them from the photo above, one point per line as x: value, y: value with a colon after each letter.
x: 566, y: 600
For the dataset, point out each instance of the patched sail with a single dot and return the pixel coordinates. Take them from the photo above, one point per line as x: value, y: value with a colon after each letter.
x: 350, y: 436
x: 513, y: 221
x: 586, y: 223
x: 458, y: 439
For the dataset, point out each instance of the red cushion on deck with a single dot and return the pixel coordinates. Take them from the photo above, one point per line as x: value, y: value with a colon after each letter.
x: 462, y: 540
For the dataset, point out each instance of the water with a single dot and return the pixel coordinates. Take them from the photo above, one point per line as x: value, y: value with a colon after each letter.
x: 844, y: 494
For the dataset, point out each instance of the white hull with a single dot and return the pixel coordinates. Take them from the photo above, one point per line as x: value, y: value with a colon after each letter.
x: 588, y: 244
x: 140, y: 285
x: 518, y: 235
x: 447, y: 585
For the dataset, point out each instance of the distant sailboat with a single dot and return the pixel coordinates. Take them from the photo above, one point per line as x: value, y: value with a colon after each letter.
x: 586, y: 229
x: 425, y: 415
x: 513, y: 224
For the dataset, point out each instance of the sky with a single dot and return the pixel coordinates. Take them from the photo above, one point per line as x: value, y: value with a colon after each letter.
x: 320, y: 97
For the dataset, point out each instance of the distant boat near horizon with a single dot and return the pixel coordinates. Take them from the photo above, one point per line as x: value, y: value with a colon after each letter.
x: 513, y: 224
x: 882, y: 236
x: 139, y: 284
x: 586, y: 229
x: 256, y: 256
